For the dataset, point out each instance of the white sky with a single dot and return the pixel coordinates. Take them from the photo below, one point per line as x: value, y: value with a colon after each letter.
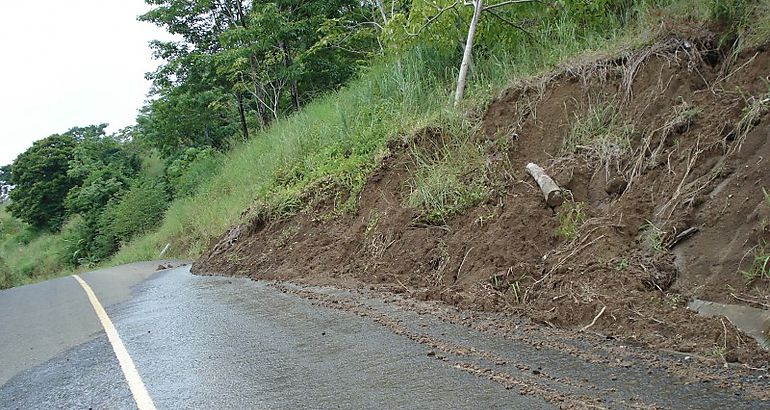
x: 70, y: 63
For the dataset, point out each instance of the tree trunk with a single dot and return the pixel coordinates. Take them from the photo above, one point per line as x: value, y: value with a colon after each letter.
x: 477, y: 9
x: 287, y: 62
x: 551, y: 191
x: 242, y: 115
x: 258, y: 95
x: 381, y: 7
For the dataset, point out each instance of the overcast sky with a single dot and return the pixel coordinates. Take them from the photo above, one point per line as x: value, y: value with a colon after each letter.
x: 70, y: 63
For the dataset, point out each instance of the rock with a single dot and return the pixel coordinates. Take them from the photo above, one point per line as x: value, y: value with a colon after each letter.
x: 616, y: 186
x: 686, y: 347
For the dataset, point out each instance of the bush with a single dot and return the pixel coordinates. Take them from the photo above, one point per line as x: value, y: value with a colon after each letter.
x: 598, y: 15
x: 198, y: 172
x: 190, y: 169
x: 137, y: 211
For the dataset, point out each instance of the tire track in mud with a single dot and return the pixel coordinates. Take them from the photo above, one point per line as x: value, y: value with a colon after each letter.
x: 693, y: 369
x: 557, y: 391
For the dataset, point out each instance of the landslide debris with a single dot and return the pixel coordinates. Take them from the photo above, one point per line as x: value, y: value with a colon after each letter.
x: 664, y: 154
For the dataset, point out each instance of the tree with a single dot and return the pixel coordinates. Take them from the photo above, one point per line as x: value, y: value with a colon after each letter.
x: 5, y: 175
x: 246, y: 62
x: 42, y: 182
x: 478, y: 7
x: 198, y: 23
x: 105, y: 168
x: 442, y: 8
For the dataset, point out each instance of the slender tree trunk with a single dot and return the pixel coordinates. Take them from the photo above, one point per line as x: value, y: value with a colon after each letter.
x: 241, y: 17
x: 242, y: 115
x: 467, y: 54
x: 293, y: 88
x: 381, y: 7
x: 258, y: 94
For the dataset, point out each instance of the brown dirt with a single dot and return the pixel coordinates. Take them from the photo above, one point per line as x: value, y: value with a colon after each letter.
x: 681, y: 171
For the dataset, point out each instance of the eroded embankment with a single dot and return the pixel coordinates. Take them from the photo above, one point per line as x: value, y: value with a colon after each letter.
x: 664, y: 153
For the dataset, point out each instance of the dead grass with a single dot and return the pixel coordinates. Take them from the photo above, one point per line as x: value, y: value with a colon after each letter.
x: 600, y: 135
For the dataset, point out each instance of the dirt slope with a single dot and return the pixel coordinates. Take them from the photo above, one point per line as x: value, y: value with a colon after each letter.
x: 678, y: 140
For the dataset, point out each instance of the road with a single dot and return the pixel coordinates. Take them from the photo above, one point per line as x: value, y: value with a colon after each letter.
x: 212, y: 342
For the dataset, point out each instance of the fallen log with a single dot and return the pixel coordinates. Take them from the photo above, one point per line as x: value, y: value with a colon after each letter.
x: 551, y: 191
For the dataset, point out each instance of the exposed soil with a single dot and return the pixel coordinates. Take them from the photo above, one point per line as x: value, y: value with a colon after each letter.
x: 696, y: 156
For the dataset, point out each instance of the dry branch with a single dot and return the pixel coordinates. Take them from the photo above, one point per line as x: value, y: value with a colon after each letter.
x: 593, y: 322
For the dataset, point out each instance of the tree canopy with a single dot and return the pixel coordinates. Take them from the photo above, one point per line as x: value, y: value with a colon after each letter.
x: 42, y: 181
x: 239, y: 65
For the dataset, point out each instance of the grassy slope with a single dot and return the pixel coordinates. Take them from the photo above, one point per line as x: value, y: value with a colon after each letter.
x: 25, y: 256
x: 337, y: 139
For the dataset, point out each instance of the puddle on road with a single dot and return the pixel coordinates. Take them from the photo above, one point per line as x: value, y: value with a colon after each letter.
x: 752, y: 321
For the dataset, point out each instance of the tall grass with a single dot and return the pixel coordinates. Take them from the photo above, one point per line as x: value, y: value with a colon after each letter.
x: 27, y: 256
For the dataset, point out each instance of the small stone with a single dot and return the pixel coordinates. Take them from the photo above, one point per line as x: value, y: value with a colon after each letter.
x: 686, y: 347
x: 431, y: 353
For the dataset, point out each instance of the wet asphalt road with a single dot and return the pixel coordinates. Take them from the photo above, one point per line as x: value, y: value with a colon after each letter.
x: 209, y: 342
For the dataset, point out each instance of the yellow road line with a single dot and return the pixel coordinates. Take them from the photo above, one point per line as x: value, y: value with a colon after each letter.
x: 141, y: 397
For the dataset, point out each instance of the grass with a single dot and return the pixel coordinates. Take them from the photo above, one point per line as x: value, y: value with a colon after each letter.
x: 600, y: 135
x: 651, y: 236
x: 755, y: 108
x: 571, y: 218
x: 27, y: 256
x: 622, y: 265
x: 448, y: 175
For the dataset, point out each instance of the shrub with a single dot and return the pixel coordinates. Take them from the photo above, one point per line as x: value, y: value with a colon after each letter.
x: 190, y: 169
x: 137, y: 211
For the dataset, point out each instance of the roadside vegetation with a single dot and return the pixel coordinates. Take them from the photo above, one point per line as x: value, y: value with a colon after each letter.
x: 273, y: 106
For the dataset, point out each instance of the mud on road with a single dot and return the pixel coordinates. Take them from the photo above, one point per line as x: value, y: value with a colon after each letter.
x: 567, y: 370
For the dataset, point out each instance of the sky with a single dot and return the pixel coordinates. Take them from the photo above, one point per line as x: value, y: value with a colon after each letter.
x: 70, y: 63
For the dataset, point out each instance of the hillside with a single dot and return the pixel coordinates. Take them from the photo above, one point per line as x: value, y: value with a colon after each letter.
x: 648, y: 143
x: 652, y: 116
x: 655, y: 130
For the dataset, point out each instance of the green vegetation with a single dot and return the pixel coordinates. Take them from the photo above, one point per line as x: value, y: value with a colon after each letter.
x: 449, y: 175
x: 651, y: 236
x: 759, y: 267
x: 276, y: 106
x: 27, y: 255
x: 571, y: 218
